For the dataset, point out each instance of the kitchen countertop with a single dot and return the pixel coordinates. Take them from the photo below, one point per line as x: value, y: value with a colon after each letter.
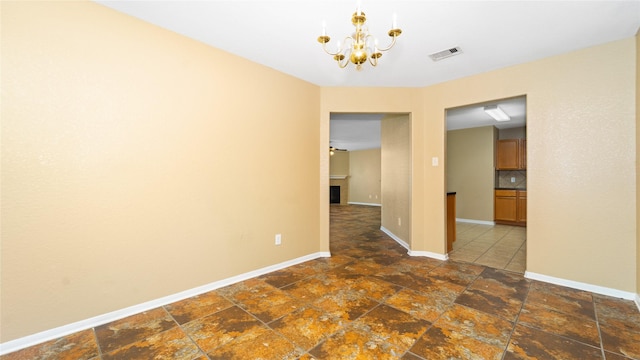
x: 504, y: 188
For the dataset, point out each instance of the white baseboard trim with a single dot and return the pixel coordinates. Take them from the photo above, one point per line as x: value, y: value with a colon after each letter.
x: 47, y: 335
x: 361, y: 203
x: 429, y: 254
x: 471, y: 221
x: 411, y: 252
x: 402, y: 243
x: 583, y: 286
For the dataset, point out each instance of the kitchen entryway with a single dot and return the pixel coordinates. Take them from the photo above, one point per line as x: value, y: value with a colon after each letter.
x: 496, y: 246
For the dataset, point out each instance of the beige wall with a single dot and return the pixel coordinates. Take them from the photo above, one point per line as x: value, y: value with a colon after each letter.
x: 471, y: 172
x: 364, y: 176
x: 132, y: 167
x: 581, y: 221
x: 339, y: 163
x: 395, y: 134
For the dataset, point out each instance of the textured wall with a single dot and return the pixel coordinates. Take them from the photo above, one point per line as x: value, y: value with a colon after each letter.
x: 470, y: 171
x: 339, y: 163
x: 364, y: 179
x: 396, y: 175
x: 132, y: 167
x: 581, y: 115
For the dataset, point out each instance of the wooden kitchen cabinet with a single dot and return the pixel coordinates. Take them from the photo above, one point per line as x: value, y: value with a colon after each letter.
x: 451, y: 220
x: 521, y: 211
x: 522, y: 154
x: 506, y: 205
x: 510, y: 207
x: 511, y: 154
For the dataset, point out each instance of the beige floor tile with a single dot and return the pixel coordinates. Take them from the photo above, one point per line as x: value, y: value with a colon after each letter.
x: 499, y: 246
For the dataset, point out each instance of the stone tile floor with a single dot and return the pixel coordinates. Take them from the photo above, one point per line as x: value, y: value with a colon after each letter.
x: 370, y: 300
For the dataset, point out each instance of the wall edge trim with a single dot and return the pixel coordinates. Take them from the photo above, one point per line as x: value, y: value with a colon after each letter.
x: 602, y: 290
x: 402, y: 243
x: 638, y: 301
x: 64, y: 330
x: 362, y: 203
x: 472, y: 221
x: 429, y: 254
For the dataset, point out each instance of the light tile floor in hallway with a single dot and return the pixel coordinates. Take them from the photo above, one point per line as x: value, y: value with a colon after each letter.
x: 370, y: 300
x: 496, y: 246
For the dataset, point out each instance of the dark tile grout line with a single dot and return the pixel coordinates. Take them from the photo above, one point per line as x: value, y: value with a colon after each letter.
x: 448, y: 307
x: 186, y: 333
x: 524, y: 243
x: 593, y: 299
x: 595, y: 314
x: 515, y: 321
x: 379, y: 303
x: 95, y: 338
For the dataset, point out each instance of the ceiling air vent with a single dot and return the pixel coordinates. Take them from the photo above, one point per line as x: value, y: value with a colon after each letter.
x: 446, y: 53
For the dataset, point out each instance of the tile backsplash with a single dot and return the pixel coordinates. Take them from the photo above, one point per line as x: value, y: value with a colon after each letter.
x: 503, y: 179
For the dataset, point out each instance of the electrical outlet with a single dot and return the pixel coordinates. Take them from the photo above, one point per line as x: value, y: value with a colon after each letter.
x: 278, y: 239
x: 513, y: 179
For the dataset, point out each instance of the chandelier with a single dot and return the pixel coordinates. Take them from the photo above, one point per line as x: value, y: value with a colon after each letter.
x: 361, y: 45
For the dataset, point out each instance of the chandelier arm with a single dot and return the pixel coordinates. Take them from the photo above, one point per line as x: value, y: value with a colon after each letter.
x: 347, y: 40
x: 324, y: 47
x: 342, y: 64
x: 344, y: 61
x: 393, y: 42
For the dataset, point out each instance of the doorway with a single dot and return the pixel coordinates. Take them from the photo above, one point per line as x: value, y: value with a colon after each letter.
x: 372, y: 151
x: 472, y: 140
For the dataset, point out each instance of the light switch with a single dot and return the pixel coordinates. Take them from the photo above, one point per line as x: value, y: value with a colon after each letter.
x: 434, y: 161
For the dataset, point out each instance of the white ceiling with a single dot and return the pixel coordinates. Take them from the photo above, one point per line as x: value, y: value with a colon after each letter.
x: 355, y: 131
x: 474, y: 116
x: 362, y: 131
x: 492, y: 34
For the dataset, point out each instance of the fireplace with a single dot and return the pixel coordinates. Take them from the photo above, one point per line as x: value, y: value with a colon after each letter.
x: 334, y: 194
x: 339, y: 189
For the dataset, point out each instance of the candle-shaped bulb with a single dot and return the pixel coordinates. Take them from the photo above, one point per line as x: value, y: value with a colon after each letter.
x: 324, y: 28
x: 394, y: 23
x: 358, y: 8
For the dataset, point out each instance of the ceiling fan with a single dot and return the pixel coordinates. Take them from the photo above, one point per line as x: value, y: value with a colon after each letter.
x: 332, y: 150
